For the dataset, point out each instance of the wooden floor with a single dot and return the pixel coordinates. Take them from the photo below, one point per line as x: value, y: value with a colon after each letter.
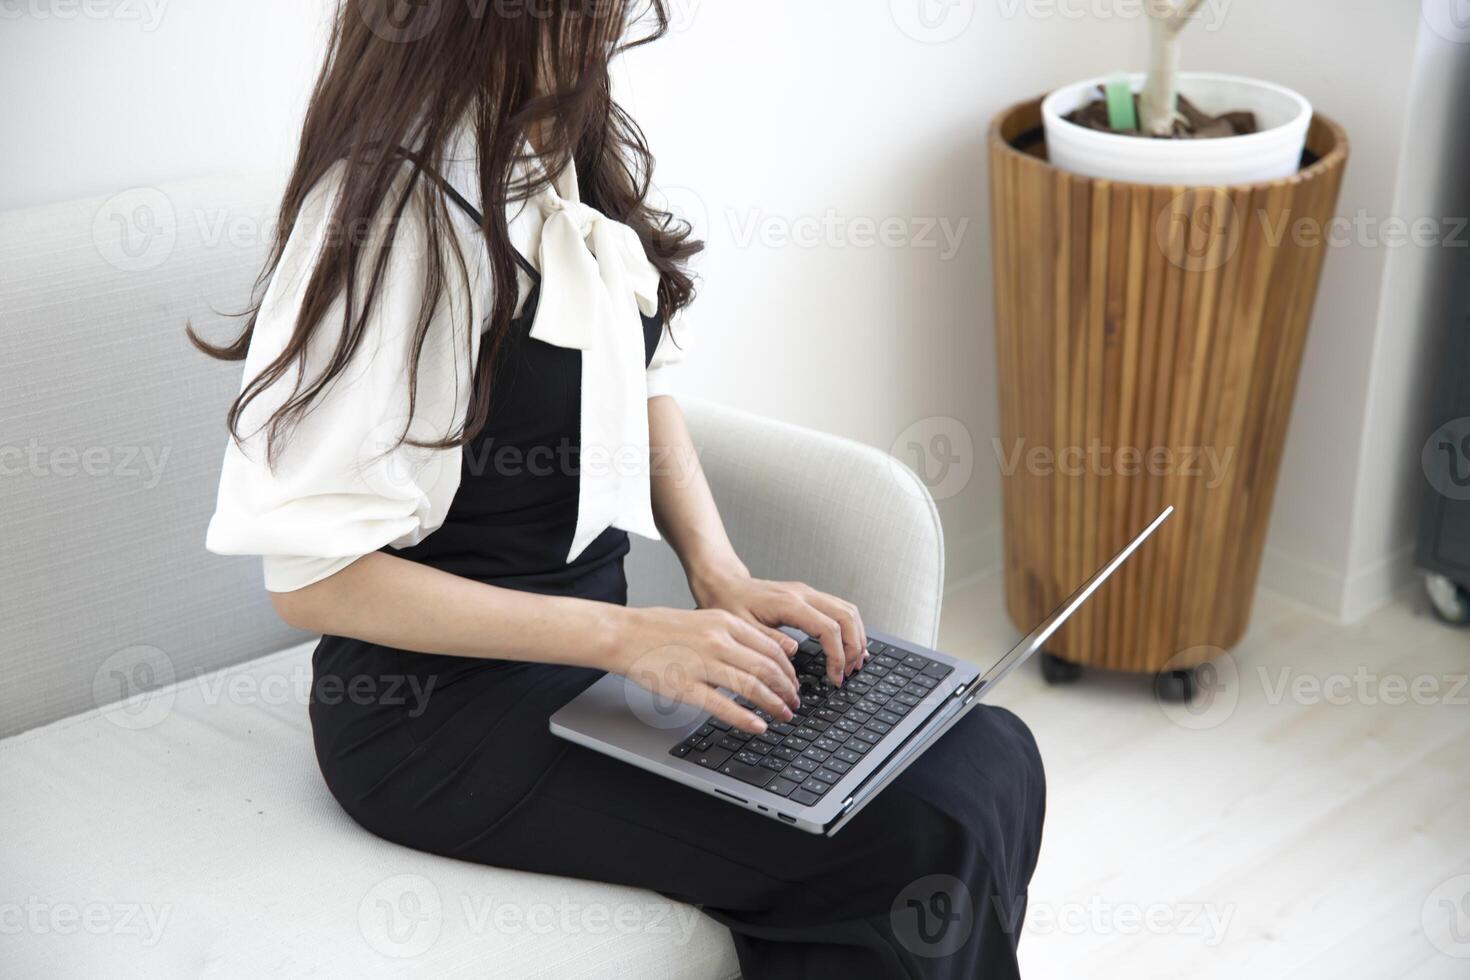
x: 1308, y: 817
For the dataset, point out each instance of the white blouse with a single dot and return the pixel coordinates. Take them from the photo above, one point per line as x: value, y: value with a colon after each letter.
x: 341, y: 487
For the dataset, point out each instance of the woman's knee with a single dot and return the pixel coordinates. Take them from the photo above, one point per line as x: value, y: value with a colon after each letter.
x: 987, y: 770
x: 994, y: 738
x: 1009, y: 727
x: 1021, y: 753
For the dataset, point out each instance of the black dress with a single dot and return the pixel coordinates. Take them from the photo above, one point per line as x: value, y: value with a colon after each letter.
x: 928, y: 881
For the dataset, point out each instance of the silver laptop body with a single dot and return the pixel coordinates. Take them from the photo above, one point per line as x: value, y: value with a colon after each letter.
x: 619, y: 718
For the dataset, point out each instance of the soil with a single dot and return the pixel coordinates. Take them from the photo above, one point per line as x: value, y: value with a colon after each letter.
x: 1189, y: 124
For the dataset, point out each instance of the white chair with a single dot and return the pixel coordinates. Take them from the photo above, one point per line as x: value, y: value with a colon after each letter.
x: 185, y: 830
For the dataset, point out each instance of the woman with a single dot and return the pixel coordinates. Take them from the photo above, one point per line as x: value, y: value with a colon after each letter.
x: 456, y: 378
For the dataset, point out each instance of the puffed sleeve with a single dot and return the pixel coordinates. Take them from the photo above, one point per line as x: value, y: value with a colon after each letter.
x: 666, y: 366
x: 342, y: 486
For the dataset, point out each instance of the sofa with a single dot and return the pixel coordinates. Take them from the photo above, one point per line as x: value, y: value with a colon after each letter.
x: 160, y: 807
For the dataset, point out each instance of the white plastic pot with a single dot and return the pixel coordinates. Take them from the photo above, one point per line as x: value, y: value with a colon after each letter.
x: 1272, y: 153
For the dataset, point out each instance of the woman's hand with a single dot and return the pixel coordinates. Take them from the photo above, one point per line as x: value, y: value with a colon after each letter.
x: 687, y: 517
x: 686, y: 656
x: 834, y: 622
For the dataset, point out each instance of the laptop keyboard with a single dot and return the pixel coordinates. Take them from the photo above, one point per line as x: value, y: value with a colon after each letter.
x: 804, y: 758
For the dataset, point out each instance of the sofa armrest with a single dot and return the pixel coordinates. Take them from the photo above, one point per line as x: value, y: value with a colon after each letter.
x: 802, y: 505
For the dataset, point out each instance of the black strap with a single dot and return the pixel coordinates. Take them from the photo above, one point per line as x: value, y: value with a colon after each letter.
x: 464, y: 205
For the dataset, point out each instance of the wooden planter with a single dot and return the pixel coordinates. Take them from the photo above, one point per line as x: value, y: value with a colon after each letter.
x: 1157, y: 325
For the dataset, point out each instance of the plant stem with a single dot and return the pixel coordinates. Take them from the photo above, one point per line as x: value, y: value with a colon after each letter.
x: 1160, y: 97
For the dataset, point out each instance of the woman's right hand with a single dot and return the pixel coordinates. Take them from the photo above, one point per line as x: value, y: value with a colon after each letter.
x: 686, y: 655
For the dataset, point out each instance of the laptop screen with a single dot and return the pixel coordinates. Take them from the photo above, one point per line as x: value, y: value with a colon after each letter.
x: 1037, y: 637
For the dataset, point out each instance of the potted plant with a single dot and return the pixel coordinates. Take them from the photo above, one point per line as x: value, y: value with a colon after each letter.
x: 1140, y: 128
x: 1150, y: 320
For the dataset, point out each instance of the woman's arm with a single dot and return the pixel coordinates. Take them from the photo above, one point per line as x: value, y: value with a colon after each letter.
x: 688, y: 518
x: 384, y: 599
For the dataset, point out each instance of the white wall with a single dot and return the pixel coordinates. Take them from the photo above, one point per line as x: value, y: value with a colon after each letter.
x: 109, y: 94
x: 784, y: 112
x: 777, y: 118
x: 1414, y: 322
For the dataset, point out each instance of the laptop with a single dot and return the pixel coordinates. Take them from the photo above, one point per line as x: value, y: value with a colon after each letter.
x: 844, y: 746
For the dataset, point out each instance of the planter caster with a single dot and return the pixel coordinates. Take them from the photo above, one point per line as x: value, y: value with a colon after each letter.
x: 1055, y: 670
x: 1175, y: 686
x: 1451, y: 602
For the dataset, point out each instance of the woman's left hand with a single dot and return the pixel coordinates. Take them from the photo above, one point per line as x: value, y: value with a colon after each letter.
x: 834, y: 622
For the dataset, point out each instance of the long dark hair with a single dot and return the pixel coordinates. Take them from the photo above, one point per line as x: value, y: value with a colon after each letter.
x: 512, y: 69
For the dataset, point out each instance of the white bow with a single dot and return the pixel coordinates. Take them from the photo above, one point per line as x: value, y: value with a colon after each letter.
x: 596, y: 280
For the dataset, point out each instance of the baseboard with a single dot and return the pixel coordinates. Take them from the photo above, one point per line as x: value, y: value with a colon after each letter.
x: 1370, y: 589
x: 1316, y: 586
x: 1343, y: 598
